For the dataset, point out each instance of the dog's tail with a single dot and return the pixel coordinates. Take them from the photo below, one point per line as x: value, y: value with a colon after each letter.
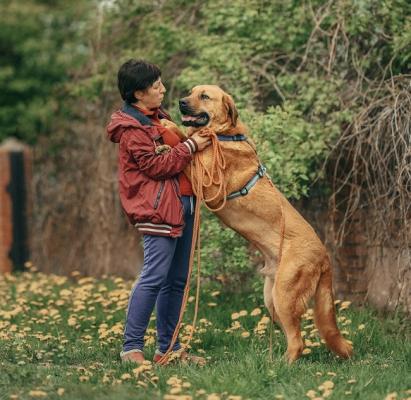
x: 324, y: 315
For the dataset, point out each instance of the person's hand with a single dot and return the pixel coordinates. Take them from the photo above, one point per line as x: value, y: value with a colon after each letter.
x: 201, y: 141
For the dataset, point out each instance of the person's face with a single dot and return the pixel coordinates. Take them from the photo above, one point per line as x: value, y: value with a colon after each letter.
x: 152, y: 96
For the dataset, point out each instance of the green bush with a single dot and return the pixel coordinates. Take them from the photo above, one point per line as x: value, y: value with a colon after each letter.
x: 296, y: 84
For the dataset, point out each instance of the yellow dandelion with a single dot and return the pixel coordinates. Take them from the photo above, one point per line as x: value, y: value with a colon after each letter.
x: 37, y: 393
x: 327, y: 385
x: 173, y: 381
x: 391, y: 396
x: 306, y: 351
x: 245, y: 334
x: 345, y: 305
x: 311, y: 394
x: 255, y: 312
x: 213, y: 396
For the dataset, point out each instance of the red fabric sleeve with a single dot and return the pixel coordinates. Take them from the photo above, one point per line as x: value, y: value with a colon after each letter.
x: 156, y: 166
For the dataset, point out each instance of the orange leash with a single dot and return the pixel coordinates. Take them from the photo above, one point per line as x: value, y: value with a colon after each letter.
x: 201, y: 178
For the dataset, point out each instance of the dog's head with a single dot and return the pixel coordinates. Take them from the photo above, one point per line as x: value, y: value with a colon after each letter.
x: 208, y: 105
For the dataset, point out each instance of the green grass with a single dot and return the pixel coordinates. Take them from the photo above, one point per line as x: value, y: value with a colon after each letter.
x: 53, y: 337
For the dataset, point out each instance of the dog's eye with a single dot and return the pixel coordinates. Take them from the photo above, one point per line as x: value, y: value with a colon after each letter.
x: 204, y: 97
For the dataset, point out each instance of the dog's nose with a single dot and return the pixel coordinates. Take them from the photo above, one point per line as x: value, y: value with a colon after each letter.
x: 183, y: 103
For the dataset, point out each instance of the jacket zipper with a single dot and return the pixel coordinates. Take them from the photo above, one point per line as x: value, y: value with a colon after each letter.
x: 159, y: 195
x: 176, y: 188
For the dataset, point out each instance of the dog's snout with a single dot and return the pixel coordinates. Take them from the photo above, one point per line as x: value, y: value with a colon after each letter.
x: 183, y: 102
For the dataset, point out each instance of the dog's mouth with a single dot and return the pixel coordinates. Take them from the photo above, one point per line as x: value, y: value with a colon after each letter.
x: 188, y: 118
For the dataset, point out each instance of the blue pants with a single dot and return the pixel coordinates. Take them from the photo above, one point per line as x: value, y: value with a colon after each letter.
x: 162, y: 280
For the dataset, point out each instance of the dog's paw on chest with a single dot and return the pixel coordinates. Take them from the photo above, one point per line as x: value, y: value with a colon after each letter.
x: 164, y: 148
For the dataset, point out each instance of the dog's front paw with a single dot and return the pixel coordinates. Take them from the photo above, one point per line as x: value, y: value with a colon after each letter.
x: 168, y: 124
x: 172, y: 127
x: 164, y: 148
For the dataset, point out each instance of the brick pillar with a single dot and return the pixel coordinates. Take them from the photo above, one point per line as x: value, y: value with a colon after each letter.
x: 15, y: 204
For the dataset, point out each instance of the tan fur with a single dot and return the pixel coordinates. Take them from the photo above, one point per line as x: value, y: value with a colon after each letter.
x: 305, y: 269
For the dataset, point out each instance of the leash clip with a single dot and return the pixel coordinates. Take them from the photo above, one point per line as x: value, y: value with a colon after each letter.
x: 244, y: 191
x: 261, y: 171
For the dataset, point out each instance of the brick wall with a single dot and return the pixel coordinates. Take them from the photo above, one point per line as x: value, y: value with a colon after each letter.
x: 7, y: 235
x: 363, y: 271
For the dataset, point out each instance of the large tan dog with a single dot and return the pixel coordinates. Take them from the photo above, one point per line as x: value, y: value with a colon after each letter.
x: 304, y: 269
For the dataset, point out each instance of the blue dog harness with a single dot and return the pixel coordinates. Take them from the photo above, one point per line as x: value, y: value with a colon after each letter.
x: 260, y: 171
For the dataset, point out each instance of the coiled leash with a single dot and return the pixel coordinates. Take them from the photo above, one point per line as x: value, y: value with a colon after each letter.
x: 203, y: 178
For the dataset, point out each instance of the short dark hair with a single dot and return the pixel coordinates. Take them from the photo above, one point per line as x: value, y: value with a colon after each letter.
x: 136, y: 75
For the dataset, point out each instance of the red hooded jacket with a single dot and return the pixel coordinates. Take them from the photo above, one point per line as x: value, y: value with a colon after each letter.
x: 148, y: 182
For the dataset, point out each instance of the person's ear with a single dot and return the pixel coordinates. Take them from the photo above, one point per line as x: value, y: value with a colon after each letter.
x: 138, y: 94
x: 231, y: 108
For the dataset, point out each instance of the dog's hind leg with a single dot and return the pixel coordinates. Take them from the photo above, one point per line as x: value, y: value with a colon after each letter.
x: 293, y: 288
x: 269, y: 299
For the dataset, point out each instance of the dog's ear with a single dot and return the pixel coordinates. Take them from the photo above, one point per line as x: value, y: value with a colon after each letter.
x: 231, y: 108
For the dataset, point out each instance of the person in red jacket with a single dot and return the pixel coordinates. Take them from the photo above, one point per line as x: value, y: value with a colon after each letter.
x: 158, y: 200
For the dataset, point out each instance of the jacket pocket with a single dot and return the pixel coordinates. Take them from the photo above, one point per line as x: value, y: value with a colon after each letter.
x: 160, y: 191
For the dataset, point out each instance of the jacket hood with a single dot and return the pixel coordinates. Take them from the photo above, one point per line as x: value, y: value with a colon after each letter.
x: 119, y: 122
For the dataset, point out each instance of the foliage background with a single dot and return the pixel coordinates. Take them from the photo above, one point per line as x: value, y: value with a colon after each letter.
x: 300, y: 73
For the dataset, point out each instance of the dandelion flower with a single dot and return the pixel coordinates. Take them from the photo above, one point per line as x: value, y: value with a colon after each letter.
x: 37, y: 393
